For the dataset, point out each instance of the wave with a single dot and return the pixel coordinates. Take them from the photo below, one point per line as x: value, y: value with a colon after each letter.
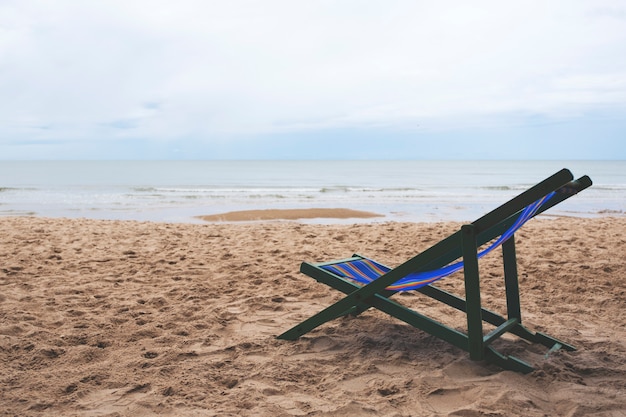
x: 13, y: 189
x: 611, y: 187
x: 144, y: 189
x: 498, y: 188
x: 519, y: 187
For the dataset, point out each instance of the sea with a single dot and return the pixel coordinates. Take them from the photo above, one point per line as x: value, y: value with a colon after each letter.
x: 403, y: 190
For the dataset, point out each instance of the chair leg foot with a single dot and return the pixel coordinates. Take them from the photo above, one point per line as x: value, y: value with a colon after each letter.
x: 550, y: 342
x: 510, y: 363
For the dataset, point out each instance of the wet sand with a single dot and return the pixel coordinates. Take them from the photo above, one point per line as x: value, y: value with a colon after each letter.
x: 290, y: 214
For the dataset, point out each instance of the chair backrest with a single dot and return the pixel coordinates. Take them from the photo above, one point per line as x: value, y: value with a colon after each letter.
x: 365, y: 270
x: 501, y: 224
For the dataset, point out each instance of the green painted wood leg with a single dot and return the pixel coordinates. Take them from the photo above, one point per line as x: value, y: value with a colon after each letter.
x: 472, y: 293
x: 326, y: 315
x: 511, y: 280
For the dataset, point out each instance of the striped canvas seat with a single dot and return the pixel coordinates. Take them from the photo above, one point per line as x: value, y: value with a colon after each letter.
x: 364, y: 271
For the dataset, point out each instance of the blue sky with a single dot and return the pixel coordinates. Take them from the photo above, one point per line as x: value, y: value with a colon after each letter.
x: 312, y: 79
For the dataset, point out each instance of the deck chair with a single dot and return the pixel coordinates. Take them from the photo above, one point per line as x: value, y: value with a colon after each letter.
x: 368, y: 283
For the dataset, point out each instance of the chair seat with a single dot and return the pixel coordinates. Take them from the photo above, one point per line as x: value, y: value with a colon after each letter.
x: 361, y: 270
x: 364, y: 271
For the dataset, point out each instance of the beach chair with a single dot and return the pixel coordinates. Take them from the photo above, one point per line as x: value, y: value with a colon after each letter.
x: 368, y: 283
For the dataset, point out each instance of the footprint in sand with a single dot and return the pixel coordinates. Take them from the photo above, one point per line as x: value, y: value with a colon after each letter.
x: 449, y: 400
x: 110, y: 401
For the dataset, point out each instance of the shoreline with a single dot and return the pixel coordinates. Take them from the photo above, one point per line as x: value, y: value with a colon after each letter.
x: 308, y: 215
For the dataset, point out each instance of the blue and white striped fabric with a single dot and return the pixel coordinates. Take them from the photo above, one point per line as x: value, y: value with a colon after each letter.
x: 364, y: 271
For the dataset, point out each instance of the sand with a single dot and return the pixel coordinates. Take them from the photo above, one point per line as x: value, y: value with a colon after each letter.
x: 121, y: 318
x: 290, y: 214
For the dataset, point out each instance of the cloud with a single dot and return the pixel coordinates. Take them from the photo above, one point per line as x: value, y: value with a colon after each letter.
x: 215, y: 71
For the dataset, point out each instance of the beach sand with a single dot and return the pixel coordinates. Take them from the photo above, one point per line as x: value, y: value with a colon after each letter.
x: 290, y: 214
x: 121, y: 318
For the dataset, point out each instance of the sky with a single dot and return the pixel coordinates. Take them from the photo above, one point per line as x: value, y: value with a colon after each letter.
x: 317, y: 79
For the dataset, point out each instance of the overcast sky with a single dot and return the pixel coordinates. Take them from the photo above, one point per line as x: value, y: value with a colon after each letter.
x: 147, y: 79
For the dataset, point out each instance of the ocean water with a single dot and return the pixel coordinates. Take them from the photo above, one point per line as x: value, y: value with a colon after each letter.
x: 177, y: 191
